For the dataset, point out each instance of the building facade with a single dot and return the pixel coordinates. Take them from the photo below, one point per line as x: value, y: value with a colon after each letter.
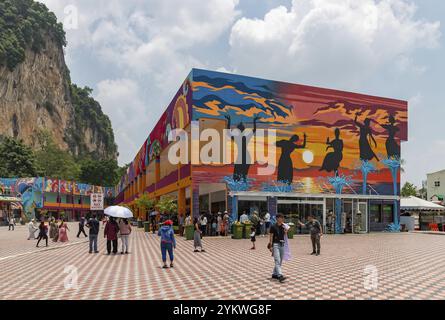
x: 435, y: 186
x: 49, y: 196
x: 330, y: 153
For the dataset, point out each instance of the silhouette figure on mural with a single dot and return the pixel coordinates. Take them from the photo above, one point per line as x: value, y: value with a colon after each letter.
x: 366, y: 152
x: 392, y: 148
x: 285, y: 165
x: 332, y: 160
x: 242, y: 164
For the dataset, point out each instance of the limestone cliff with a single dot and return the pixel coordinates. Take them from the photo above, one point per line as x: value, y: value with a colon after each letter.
x: 36, y: 93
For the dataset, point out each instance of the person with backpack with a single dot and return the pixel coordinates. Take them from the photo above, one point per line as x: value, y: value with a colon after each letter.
x: 168, y: 242
x: 93, y: 225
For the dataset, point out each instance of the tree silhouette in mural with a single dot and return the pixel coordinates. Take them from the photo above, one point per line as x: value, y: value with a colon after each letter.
x: 392, y: 148
x: 285, y: 165
x: 242, y: 165
x: 332, y: 160
x: 366, y: 152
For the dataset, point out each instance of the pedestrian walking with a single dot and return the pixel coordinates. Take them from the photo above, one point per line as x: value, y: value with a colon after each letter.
x: 226, y: 220
x: 267, y: 221
x: 219, y: 225
x: 11, y: 223
x: 53, y: 228
x: 153, y: 224
x: 63, y: 231
x: 32, y: 229
x: 181, y: 223
x: 197, y: 236
x: 43, y: 233
x: 262, y: 226
x: 93, y: 225
x: 168, y: 242
x: 82, y: 227
x: 276, y: 245
x: 316, y: 231
x: 125, y: 230
x: 110, y: 232
x: 252, y: 237
x: 203, y: 225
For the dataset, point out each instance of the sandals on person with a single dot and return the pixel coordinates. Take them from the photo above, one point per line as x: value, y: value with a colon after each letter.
x: 164, y: 267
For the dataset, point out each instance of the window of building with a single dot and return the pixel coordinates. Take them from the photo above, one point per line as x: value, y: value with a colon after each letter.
x: 387, y: 212
x: 437, y: 183
x: 375, y: 212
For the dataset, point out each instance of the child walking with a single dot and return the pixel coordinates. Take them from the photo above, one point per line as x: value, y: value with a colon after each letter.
x: 252, y: 237
x: 168, y: 242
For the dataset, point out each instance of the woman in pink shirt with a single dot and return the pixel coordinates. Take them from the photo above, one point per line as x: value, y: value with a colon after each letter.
x: 125, y: 230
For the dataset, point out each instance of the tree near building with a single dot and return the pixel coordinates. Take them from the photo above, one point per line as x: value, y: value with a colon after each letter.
x: 53, y: 161
x: 99, y: 172
x: 144, y: 203
x: 408, y: 189
x: 16, y: 159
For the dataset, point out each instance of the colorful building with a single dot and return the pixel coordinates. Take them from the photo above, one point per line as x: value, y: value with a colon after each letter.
x: 336, y: 154
x: 51, y: 196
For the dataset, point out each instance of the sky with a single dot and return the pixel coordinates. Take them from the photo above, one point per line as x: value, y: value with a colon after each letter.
x: 136, y: 53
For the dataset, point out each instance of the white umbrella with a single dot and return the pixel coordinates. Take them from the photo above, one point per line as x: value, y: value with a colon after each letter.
x: 118, y: 212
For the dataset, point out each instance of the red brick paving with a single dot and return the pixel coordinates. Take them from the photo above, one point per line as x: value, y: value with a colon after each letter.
x: 410, y: 266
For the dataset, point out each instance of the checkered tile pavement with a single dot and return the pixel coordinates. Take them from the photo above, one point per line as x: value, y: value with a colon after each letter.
x: 409, y: 266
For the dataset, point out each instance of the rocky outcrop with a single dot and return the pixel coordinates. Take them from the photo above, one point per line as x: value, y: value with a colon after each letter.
x: 36, y: 95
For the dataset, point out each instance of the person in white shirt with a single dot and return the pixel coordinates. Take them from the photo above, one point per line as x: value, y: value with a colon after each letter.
x: 203, y: 224
x: 267, y: 221
x: 32, y: 230
x: 244, y: 217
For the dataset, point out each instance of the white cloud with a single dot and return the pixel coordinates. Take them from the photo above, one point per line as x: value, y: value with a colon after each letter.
x: 121, y: 100
x: 341, y: 41
x: 147, y: 44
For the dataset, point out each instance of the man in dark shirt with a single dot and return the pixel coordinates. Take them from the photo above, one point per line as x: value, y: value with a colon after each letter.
x: 93, y: 225
x: 276, y: 245
x: 316, y: 232
x: 81, y: 227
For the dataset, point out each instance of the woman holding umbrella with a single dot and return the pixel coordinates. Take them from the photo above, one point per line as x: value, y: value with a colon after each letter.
x: 112, y: 228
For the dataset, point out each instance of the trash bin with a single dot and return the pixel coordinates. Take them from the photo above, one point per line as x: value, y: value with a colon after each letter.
x: 146, y: 226
x: 140, y: 224
x: 291, y: 232
x: 246, y: 230
x: 189, y: 231
x: 237, y: 231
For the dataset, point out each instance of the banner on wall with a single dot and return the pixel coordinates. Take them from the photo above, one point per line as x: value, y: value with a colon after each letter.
x: 97, y: 201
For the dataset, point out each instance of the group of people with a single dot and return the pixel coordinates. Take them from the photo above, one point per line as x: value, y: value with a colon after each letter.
x: 213, y: 224
x: 261, y: 223
x: 57, y: 232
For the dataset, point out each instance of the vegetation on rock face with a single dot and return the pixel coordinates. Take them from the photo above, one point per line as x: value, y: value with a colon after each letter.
x: 29, y: 25
x: 25, y: 24
x: 88, y: 114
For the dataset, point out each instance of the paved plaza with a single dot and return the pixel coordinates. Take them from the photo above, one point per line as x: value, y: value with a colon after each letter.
x: 407, y: 266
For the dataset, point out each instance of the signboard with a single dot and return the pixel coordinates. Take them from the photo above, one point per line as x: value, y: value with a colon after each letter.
x: 97, y: 201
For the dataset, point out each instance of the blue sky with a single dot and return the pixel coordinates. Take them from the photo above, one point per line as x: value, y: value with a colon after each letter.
x: 136, y: 53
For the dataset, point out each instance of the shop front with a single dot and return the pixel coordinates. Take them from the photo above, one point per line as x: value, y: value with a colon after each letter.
x: 358, y: 213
